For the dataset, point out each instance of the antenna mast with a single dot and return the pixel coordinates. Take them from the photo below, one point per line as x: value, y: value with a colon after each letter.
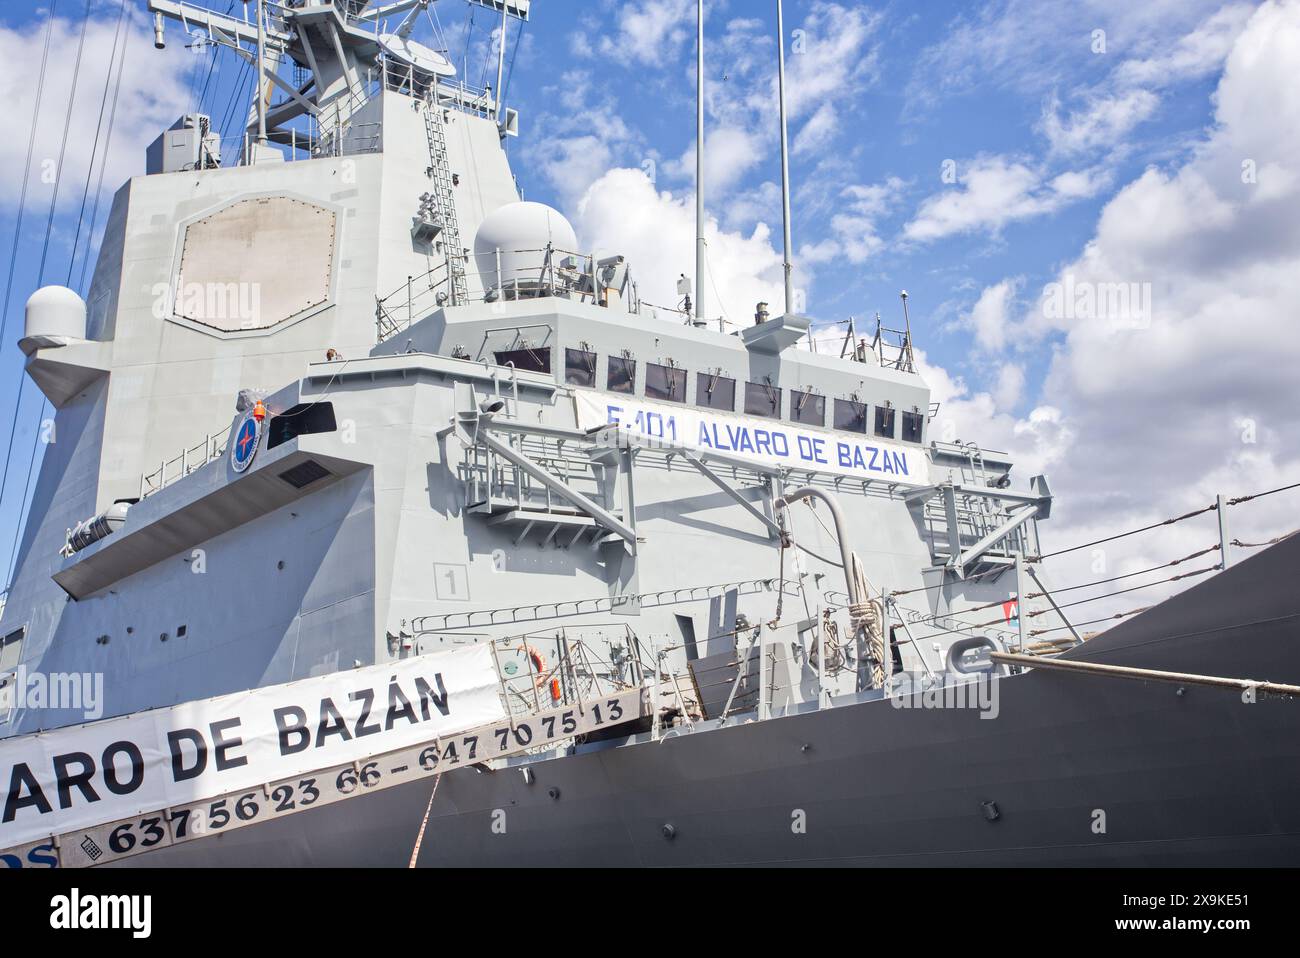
x: 261, y: 74
x: 501, y: 60
x: 785, y: 159
x: 699, y: 160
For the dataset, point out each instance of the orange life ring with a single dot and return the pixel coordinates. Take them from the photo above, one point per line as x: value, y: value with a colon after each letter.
x: 539, y: 663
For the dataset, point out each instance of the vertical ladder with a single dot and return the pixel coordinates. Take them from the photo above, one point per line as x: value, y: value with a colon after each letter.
x: 445, y: 201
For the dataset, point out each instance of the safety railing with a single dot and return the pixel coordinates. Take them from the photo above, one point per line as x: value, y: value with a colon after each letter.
x: 550, y: 272
x: 190, y: 459
x: 553, y: 668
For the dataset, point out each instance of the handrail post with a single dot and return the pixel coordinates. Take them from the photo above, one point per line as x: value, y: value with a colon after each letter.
x: 1224, y: 543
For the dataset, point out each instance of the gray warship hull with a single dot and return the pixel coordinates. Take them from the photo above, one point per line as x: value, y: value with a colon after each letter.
x: 1079, y: 770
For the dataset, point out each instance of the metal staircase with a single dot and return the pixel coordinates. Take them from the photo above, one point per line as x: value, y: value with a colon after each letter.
x: 444, y: 201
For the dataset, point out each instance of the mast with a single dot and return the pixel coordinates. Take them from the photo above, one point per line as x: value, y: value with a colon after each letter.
x: 785, y: 159
x: 699, y: 160
x: 261, y: 73
x: 501, y: 60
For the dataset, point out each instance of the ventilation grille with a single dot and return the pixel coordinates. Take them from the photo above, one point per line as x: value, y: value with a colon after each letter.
x: 304, y: 474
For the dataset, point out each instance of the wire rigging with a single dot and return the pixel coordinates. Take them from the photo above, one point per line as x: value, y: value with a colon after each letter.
x: 13, y: 256
x: 19, y: 521
x: 94, y: 149
x: 103, y: 165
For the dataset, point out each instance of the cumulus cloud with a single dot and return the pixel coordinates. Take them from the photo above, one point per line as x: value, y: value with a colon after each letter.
x: 990, y: 320
x: 1187, y: 400
x: 622, y: 212
x: 152, y: 95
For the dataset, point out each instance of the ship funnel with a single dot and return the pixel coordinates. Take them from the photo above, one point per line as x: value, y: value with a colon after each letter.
x: 55, y: 316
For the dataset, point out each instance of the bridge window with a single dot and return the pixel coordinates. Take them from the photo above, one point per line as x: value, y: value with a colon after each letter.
x: 762, y: 399
x: 579, y: 367
x: 11, y: 650
x: 528, y: 359
x: 850, y: 415
x: 303, y: 419
x: 665, y: 382
x: 622, y: 375
x: 715, y: 392
x: 807, y: 408
x: 913, y: 423
x: 885, y: 422
x: 11, y: 653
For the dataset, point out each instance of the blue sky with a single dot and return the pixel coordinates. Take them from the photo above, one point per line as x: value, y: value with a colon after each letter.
x: 972, y: 154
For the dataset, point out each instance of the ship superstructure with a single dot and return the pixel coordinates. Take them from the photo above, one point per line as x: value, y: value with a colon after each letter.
x: 349, y: 402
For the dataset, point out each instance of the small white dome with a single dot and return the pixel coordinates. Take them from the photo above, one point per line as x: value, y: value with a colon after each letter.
x: 522, y: 232
x: 55, y: 311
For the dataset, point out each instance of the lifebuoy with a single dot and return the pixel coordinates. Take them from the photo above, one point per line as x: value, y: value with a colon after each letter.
x: 539, y: 664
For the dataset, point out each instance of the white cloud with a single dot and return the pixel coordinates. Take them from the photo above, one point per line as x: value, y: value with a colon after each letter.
x: 989, y: 319
x: 1198, y: 53
x: 1102, y: 122
x: 832, y: 58
x: 154, y: 92
x: 1010, y: 386
x: 623, y: 213
x: 651, y: 32
x: 861, y: 207
x: 993, y: 191
x: 730, y: 153
x: 1193, y: 400
x: 821, y: 128
x: 1029, y: 46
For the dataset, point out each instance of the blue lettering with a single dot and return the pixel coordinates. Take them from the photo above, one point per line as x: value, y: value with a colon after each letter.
x: 875, y: 454
x: 819, y: 453
x: 900, y: 463
x: 780, y: 445
x: 762, y: 442
x: 704, y: 435
x: 842, y: 451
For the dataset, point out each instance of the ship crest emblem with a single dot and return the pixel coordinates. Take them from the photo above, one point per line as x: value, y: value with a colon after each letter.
x: 244, y: 446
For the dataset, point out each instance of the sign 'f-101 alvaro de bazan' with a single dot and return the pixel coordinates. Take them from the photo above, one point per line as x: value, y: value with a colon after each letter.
x: 765, y: 441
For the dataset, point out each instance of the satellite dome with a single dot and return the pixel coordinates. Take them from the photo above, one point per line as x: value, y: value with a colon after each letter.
x: 522, y: 232
x: 55, y: 314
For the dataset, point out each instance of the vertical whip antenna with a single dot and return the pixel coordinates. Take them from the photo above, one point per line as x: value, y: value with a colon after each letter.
x: 699, y: 160
x: 785, y: 159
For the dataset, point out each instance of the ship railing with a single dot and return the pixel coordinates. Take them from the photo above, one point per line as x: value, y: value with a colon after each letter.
x: 495, y: 485
x: 554, y: 272
x: 190, y: 459
x: 976, y: 518
x: 552, y: 668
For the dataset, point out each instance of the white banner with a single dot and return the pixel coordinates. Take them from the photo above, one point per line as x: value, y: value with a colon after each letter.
x: 767, y: 441
x: 82, y: 776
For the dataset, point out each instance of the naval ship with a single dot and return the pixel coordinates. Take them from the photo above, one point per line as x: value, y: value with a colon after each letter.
x: 401, y: 531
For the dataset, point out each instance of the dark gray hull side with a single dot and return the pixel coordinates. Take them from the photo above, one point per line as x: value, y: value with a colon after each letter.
x: 1198, y: 778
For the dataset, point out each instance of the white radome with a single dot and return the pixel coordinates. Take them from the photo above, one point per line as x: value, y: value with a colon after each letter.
x: 522, y: 233
x: 55, y: 313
